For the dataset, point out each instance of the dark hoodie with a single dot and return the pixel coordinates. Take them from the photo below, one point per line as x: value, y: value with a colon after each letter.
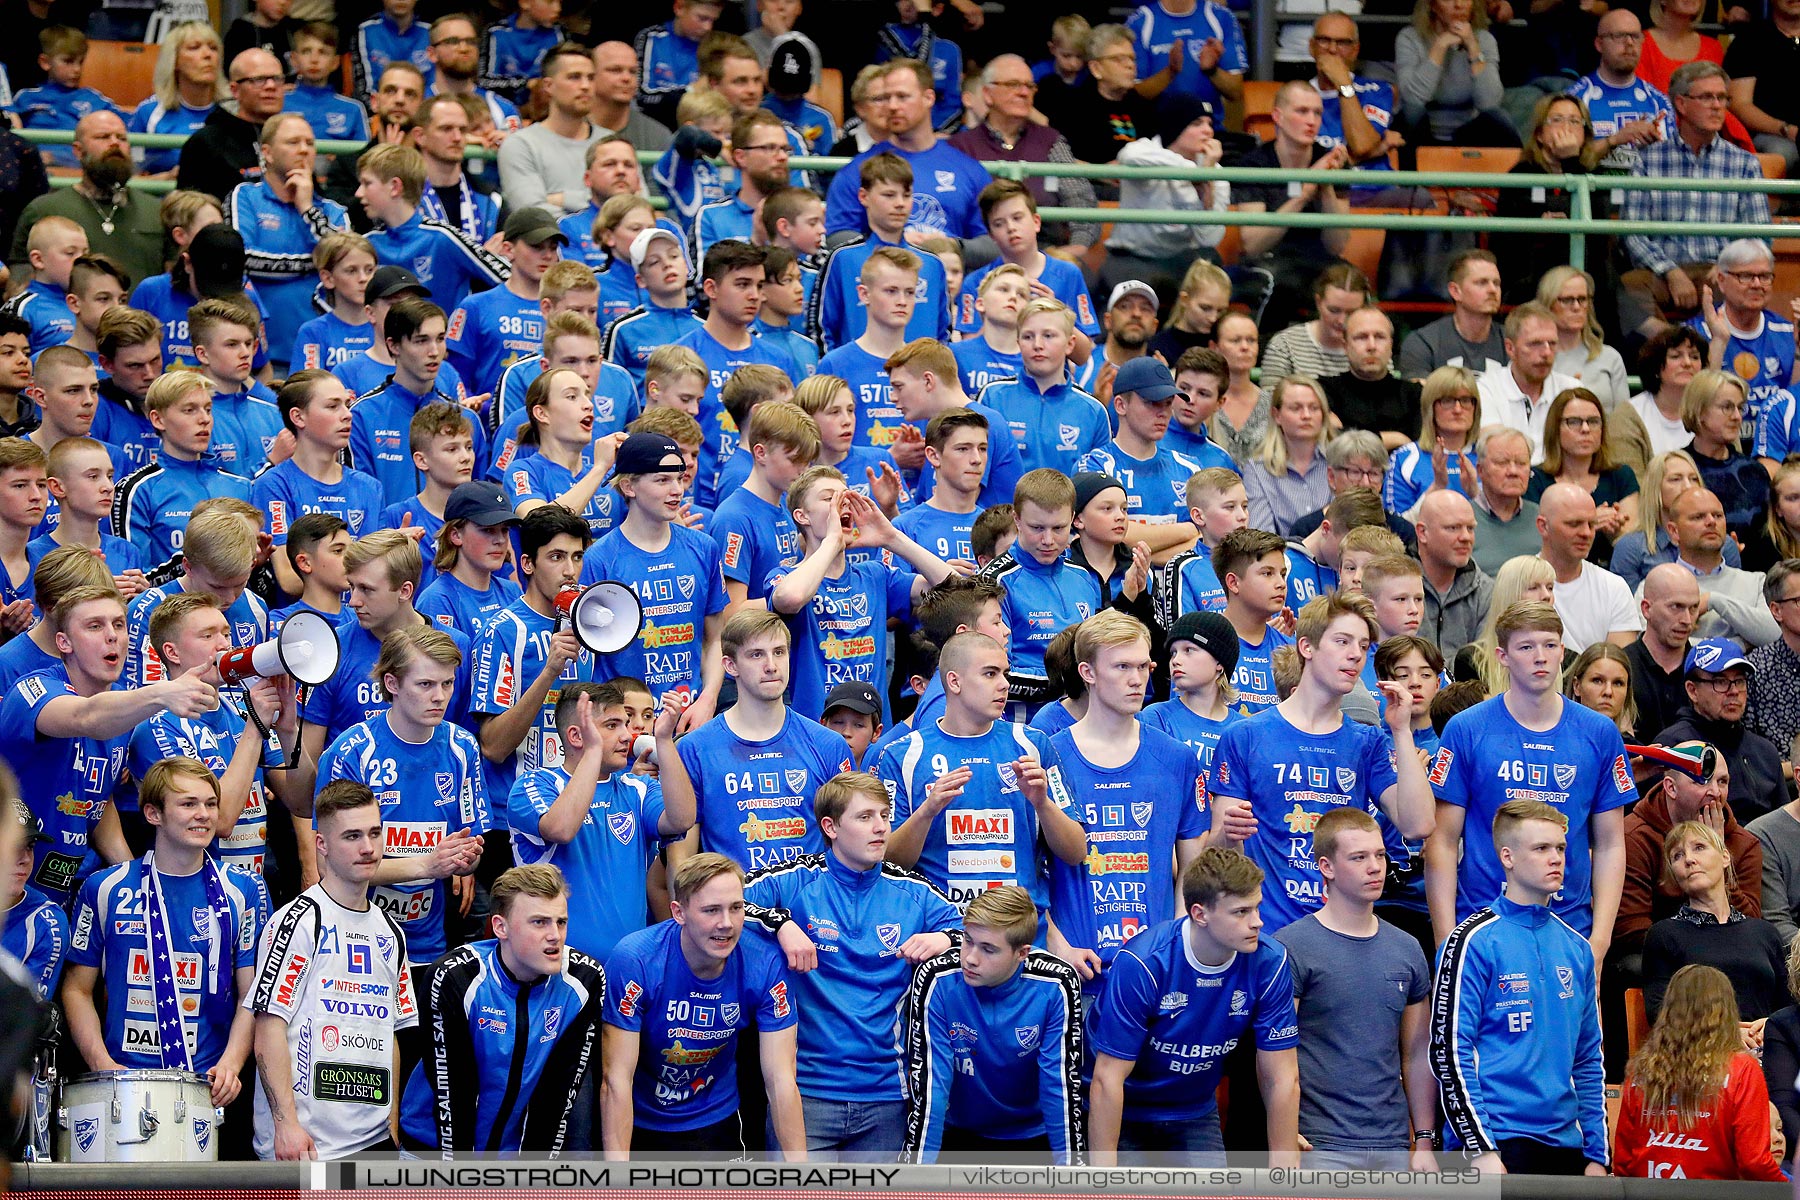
x: 1757, y: 786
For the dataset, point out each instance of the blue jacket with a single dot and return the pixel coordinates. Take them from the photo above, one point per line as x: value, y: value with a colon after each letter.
x: 630, y: 340
x: 380, y: 437
x: 834, y: 314
x: 850, y: 1040
x: 1003, y: 1062
x: 278, y: 253
x: 1054, y: 426
x: 445, y: 260
x: 505, y: 1060
x: 667, y: 64
x: 1040, y: 602
x: 512, y: 57
x: 379, y: 42
x: 333, y: 117
x: 1515, y: 1032
x: 151, y: 505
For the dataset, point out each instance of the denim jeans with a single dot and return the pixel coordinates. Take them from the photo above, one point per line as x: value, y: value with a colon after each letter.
x: 1198, y: 1142
x: 853, y: 1130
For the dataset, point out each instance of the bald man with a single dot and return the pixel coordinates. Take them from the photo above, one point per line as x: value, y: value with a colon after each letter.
x: 1669, y: 602
x: 615, y: 98
x: 121, y: 222
x: 1457, y: 592
x: 1594, y: 604
x: 1733, y: 598
x: 224, y: 153
x: 1626, y: 111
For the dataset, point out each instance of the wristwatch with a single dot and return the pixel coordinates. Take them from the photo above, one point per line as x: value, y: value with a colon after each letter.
x: 1431, y: 1134
x: 1347, y: 91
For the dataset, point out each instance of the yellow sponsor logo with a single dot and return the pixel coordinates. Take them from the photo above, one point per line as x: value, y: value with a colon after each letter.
x: 1301, y: 821
x: 654, y: 637
x: 757, y: 829
x: 836, y: 648
x: 1101, y: 863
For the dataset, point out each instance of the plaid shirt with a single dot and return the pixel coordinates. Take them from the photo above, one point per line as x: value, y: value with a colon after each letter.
x: 1672, y: 158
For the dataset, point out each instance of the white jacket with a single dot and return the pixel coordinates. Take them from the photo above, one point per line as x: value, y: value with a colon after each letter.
x: 1156, y: 241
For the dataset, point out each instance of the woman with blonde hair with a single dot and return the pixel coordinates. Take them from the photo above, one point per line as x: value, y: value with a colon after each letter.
x: 1448, y: 65
x: 1557, y: 141
x: 1600, y: 679
x: 1712, y: 408
x: 1695, y: 1104
x: 1638, y: 550
x: 1194, y: 317
x: 1286, y: 479
x: 1581, y: 352
x: 189, y: 81
x: 1526, y: 577
x: 1576, y: 451
x: 1709, y: 929
x: 1777, y: 535
x: 1444, y: 455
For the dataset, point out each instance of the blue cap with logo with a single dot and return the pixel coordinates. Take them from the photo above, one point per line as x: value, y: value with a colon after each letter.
x: 1714, y: 655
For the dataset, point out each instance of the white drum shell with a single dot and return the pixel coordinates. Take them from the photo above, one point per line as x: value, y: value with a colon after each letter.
x: 137, y: 1116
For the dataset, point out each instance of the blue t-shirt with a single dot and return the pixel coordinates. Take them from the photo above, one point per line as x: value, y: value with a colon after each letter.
x: 329, y: 341
x: 755, y: 538
x: 1065, y: 281
x: 1578, y: 767
x: 426, y: 792
x: 1611, y: 108
x: 1763, y: 359
x: 946, y: 189
x: 606, y: 860
x: 755, y: 798
x: 111, y: 935
x: 453, y: 604
x: 66, y: 782
x: 1177, y: 1018
x: 980, y: 364
x: 877, y: 417
x: 352, y: 695
x: 37, y: 934
x: 1291, y: 778
x: 840, y: 635
x: 1254, y: 678
x: 680, y: 586
x: 988, y: 836
x: 1155, y: 488
x: 490, y: 332
x: 1308, y: 579
x: 1134, y: 815
x: 1200, y: 734
x: 151, y: 117
x: 688, y: 1027
x: 1154, y: 33
x: 541, y: 478
x: 945, y: 534
x: 287, y: 493
x: 211, y: 738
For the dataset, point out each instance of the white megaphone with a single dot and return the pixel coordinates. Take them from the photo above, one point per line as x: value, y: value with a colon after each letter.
x: 306, y: 649
x: 606, y: 615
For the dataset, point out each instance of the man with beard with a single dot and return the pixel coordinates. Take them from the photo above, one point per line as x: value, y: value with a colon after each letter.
x: 452, y: 195
x: 615, y: 94
x: 759, y: 150
x: 455, y: 51
x: 121, y: 222
x: 1130, y: 323
x: 393, y: 106
x: 224, y: 152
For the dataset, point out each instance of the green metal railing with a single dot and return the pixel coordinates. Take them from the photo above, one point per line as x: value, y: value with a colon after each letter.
x: 1577, y: 227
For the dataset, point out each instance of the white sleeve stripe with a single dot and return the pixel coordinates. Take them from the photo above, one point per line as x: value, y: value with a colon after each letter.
x: 1459, y: 1106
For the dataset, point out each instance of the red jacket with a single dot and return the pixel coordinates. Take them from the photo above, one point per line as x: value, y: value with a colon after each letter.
x: 1730, y: 1140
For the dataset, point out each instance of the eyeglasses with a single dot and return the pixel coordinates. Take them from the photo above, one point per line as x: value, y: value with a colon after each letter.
x: 457, y: 41
x: 1764, y: 277
x: 1454, y: 402
x: 1358, y: 474
x: 1014, y: 85
x: 1621, y: 37
x: 1784, y: 599
x: 257, y: 81
x: 770, y: 147
x: 1568, y: 119
x: 1706, y: 98
x: 1724, y: 685
x: 1727, y: 407
x: 1583, y: 422
x: 1574, y: 301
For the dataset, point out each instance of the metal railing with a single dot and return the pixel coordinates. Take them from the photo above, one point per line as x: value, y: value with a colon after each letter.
x: 1578, y: 226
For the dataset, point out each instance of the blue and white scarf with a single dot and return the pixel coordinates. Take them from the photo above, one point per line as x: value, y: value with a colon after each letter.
x: 171, y: 1026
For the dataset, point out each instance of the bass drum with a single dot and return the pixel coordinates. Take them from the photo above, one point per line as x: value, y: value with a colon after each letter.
x: 137, y: 1116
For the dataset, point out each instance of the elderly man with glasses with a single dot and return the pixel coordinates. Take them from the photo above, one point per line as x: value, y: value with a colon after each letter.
x: 1668, y: 270
x: 1010, y: 135
x: 224, y: 152
x: 1718, y: 690
x: 1743, y: 337
x: 1356, y: 458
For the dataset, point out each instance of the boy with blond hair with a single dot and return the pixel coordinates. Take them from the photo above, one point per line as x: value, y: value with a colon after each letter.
x: 749, y: 388
x: 218, y: 552
x: 246, y: 421
x: 886, y: 293
x: 835, y: 316
x: 1053, y: 421
x: 675, y: 377
x: 390, y: 182
x: 1216, y: 505
x: 61, y: 101
x: 80, y: 478
x: 1359, y: 548
x: 52, y: 248
x: 990, y: 351
x: 571, y: 343
x: 664, y: 316
x: 129, y: 345
x: 754, y: 532
x: 151, y: 506
x: 1040, y: 583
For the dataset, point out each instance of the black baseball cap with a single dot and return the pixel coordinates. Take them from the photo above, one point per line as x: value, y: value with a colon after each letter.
x: 648, y: 453
x: 534, y: 227
x: 480, y: 503
x: 217, y: 257
x: 855, y: 696
x: 390, y: 281
x: 28, y: 823
x: 790, y: 66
